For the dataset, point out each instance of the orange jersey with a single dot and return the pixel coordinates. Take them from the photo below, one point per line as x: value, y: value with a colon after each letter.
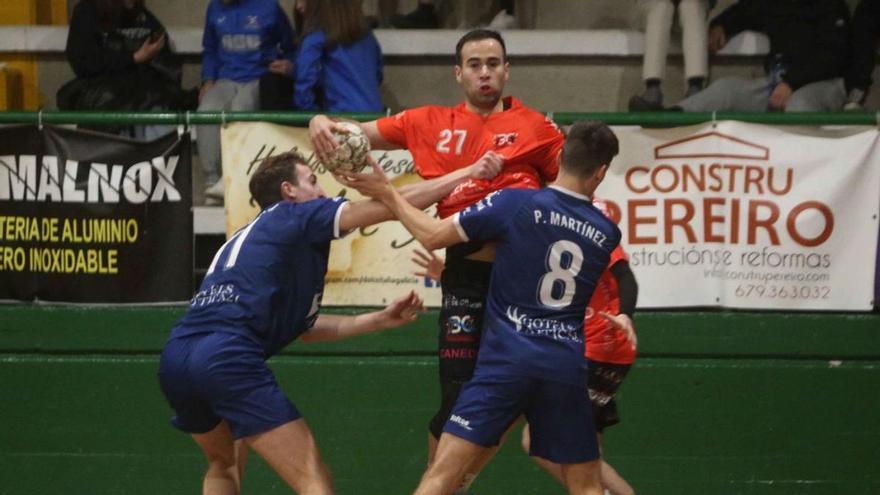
x: 603, y: 342
x: 444, y: 139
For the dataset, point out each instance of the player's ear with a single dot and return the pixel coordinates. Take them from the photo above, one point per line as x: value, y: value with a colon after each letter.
x: 288, y: 191
x: 600, y: 173
x: 457, y: 73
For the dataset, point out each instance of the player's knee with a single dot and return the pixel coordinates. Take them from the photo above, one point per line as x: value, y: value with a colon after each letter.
x: 220, y: 459
x: 222, y: 468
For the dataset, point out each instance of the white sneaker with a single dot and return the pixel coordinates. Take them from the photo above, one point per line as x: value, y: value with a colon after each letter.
x: 215, y: 190
x: 502, y: 20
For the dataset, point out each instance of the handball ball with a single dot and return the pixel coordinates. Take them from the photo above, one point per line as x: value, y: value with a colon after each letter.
x: 351, y: 154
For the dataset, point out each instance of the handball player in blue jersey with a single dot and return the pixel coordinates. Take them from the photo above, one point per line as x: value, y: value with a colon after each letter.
x: 552, y: 247
x: 262, y: 291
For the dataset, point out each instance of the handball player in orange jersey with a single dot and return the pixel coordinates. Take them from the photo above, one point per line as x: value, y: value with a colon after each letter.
x: 485, y: 127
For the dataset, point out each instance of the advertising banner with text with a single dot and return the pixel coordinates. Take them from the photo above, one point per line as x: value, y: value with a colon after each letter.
x: 90, y: 218
x: 728, y: 215
x: 749, y: 216
x: 368, y: 267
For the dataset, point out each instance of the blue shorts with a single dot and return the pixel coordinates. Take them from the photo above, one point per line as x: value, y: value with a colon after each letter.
x: 218, y: 376
x: 560, y: 416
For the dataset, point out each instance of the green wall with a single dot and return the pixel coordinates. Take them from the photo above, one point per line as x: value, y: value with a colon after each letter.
x: 717, y: 403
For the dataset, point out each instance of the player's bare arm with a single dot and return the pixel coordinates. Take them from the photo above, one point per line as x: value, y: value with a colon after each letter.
x: 431, y: 232
x: 404, y: 309
x: 322, y: 127
x: 421, y: 194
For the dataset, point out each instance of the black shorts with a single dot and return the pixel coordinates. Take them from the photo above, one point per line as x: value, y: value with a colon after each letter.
x: 604, y: 380
x: 465, y: 284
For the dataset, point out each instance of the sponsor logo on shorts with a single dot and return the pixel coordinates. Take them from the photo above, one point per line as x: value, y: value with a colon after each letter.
x: 461, y: 328
x: 451, y: 301
x: 463, y: 353
x: 600, y: 398
x: 455, y: 418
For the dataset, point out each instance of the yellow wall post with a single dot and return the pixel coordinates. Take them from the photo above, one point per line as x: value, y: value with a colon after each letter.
x: 20, y: 79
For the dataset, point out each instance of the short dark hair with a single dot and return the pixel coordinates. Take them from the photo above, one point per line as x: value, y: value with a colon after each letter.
x: 265, y: 183
x: 588, y: 145
x: 478, y: 35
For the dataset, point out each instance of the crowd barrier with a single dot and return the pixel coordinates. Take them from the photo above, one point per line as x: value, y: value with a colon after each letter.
x: 647, y: 119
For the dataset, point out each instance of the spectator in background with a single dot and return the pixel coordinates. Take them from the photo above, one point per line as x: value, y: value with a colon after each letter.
x: 425, y: 16
x: 656, y: 16
x: 809, y: 50
x: 242, y: 40
x: 865, y: 31
x: 339, y: 61
x: 122, y: 60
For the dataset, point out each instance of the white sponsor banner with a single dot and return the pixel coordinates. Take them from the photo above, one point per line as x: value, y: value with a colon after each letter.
x: 368, y: 267
x: 749, y: 216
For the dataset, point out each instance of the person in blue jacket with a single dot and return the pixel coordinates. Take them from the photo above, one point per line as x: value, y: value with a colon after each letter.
x: 339, y: 61
x: 242, y: 40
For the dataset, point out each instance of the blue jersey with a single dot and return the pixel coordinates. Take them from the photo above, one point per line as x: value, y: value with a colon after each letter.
x: 552, y: 247
x: 240, y: 40
x: 339, y: 78
x: 267, y: 281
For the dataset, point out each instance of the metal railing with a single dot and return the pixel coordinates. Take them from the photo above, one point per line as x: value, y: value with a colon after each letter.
x: 648, y: 119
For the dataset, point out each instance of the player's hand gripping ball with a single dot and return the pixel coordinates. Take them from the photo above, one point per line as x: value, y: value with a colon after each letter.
x: 351, y: 154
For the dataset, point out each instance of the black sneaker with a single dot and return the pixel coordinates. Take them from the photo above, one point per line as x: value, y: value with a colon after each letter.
x: 423, y: 17
x: 639, y: 104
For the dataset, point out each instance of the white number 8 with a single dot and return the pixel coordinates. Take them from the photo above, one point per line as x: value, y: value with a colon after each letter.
x: 558, y: 273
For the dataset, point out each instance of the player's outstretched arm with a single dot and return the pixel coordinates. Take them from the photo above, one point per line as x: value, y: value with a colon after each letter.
x: 421, y: 194
x: 425, y: 193
x: 433, y: 233
x: 404, y: 309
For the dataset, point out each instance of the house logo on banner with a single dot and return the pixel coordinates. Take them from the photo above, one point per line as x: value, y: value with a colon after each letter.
x: 748, y: 216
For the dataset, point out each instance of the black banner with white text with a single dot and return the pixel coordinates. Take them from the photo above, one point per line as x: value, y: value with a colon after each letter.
x: 87, y: 217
